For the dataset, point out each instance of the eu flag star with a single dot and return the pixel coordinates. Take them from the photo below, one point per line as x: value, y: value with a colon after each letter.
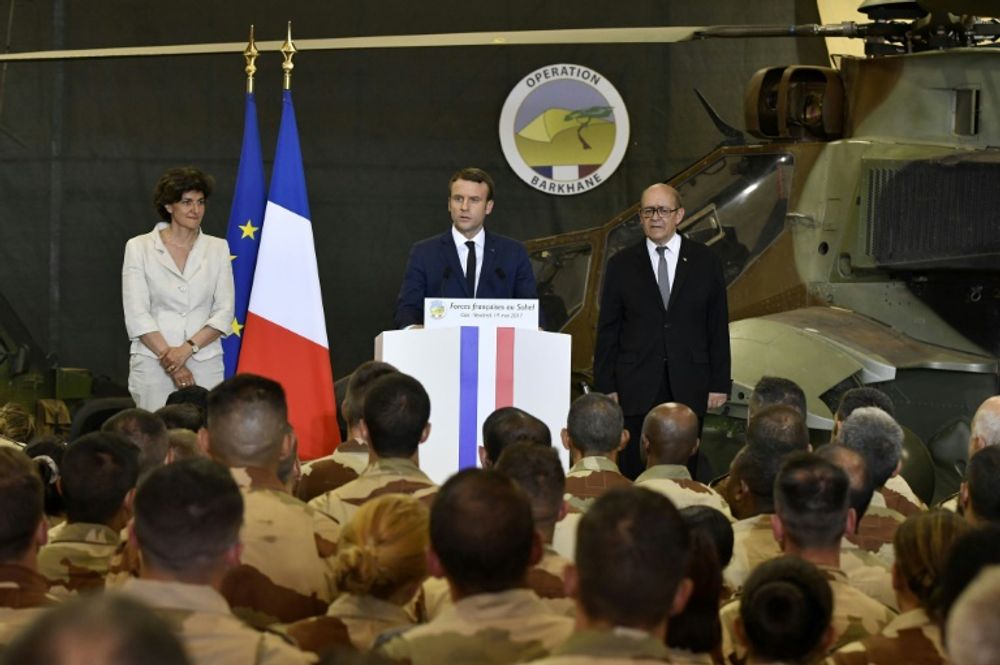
x: 237, y: 328
x: 248, y: 230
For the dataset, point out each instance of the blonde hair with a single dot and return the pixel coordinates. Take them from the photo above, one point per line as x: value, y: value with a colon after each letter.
x: 383, y: 548
x: 16, y: 422
x: 922, y: 544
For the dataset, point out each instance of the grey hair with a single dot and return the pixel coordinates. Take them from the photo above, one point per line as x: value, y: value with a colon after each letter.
x: 973, y: 623
x: 872, y: 432
x: 986, y: 422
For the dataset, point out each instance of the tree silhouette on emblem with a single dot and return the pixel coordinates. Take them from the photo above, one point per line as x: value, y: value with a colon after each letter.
x: 583, y: 118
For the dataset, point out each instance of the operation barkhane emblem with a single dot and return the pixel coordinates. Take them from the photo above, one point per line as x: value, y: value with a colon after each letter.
x: 564, y: 129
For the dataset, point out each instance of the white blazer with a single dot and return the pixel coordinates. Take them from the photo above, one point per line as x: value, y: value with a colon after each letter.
x: 157, y: 296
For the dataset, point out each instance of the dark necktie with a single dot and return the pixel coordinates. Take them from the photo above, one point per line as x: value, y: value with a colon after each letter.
x: 470, y: 268
x: 663, y: 276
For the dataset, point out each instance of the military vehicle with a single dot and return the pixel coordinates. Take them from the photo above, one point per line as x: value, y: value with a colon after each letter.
x: 859, y: 229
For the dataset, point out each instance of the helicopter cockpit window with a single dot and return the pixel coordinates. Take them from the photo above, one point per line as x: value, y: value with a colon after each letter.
x: 561, y: 273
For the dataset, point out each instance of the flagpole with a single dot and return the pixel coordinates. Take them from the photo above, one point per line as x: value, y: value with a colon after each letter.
x: 250, y: 54
x: 288, y: 51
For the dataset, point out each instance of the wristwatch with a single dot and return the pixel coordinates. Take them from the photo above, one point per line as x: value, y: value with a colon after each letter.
x: 194, y: 347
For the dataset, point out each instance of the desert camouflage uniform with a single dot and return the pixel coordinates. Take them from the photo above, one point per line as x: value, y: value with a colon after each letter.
x: 326, y: 474
x: 24, y: 594
x: 867, y: 573
x: 286, y: 570
x: 485, y: 629
x: 876, y: 531
x: 910, y: 638
x: 210, y: 632
x: 590, y: 478
x: 545, y: 578
x: 564, y: 537
x: 674, y: 482
x: 387, y: 475
x: 952, y: 503
x: 77, y: 557
x: 855, y: 616
x: 351, y: 620
x: 897, y: 495
x: 616, y: 646
x: 753, y: 544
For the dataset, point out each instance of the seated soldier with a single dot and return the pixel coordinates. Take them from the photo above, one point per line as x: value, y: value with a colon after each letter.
x: 146, y: 431
x: 97, y: 480
x: 922, y: 544
x: 775, y: 390
x: 974, y: 623
x: 396, y: 409
x: 785, y: 613
x: 108, y: 629
x: 483, y: 541
x: 811, y: 516
x: 538, y: 471
x: 17, y: 425
x: 984, y: 431
x: 23, y: 592
x: 506, y: 426
x: 181, y: 416
x: 669, y: 439
x: 980, y: 492
x: 594, y: 435
x: 718, y: 530
x: 183, y: 445
x: 381, y: 564
x: 351, y: 457
x: 628, y: 580
x: 187, y: 524
x: 286, y: 569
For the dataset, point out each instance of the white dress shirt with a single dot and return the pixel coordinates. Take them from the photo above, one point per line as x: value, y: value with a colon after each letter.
x: 671, y: 255
x: 463, y: 250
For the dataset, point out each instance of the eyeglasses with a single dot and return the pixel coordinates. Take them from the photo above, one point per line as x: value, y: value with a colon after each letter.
x: 649, y: 213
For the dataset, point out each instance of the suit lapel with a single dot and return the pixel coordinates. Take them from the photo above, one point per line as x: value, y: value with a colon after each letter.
x: 163, y: 255
x: 681, y: 273
x: 449, y: 258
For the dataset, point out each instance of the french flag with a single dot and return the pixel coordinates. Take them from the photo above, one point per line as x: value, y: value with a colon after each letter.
x: 285, y: 336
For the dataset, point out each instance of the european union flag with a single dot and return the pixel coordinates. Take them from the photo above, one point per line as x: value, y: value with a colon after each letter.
x: 246, y: 219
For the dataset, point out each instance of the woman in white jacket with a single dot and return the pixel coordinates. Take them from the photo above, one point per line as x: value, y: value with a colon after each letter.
x: 177, y: 292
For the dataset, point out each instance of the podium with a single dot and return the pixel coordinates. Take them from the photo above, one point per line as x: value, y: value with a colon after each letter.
x: 469, y: 372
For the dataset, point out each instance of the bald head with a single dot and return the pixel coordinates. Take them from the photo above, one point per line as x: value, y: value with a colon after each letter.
x: 669, y: 434
x: 986, y: 425
x: 659, y: 190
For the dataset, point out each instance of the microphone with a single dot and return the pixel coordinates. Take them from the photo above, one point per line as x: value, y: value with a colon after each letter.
x: 500, y: 273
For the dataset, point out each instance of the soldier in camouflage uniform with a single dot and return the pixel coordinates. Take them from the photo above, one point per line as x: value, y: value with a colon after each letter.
x: 483, y: 541
x: 537, y: 470
x: 350, y: 459
x: 812, y: 513
x: 396, y: 411
x: 922, y: 545
x: 187, y: 524
x: 984, y: 432
x: 980, y: 493
x: 594, y: 435
x: 509, y: 425
x: 23, y: 592
x: 286, y: 570
x: 669, y: 439
x: 973, y: 629
x: 98, y: 476
x: 146, y: 431
x: 623, y: 609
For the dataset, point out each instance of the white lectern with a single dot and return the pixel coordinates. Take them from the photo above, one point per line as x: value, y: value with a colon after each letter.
x: 471, y: 371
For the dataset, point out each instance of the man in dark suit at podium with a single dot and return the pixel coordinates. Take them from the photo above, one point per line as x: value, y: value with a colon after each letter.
x: 663, y: 330
x: 467, y: 261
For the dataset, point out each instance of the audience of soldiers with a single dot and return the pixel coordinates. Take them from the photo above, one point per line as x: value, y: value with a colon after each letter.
x: 184, y: 536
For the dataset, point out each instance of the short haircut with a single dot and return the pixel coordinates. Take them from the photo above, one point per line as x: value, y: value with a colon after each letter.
x: 383, y: 548
x: 182, y: 416
x: 632, y: 551
x: 771, y: 390
x: 98, y: 470
x: 811, y: 499
x: 472, y: 174
x: 873, y: 433
x: 187, y: 515
x: 862, y: 487
x: 856, y: 398
x: 184, y: 444
x: 757, y: 467
x: 396, y: 411
x: 508, y: 425
x: 986, y: 421
x: 672, y: 433
x: 22, y: 499
x: 697, y: 628
x: 538, y: 471
x: 982, y: 478
x: 197, y: 395
x: 247, y: 421
x: 110, y: 627
x: 357, y: 388
x: 922, y: 544
x: 715, y: 525
x: 786, y: 609
x: 146, y: 431
x: 288, y: 464
x: 974, y: 625
x: 482, y: 531
x: 595, y: 424
x: 17, y: 423
x: 779, y: 428
x: 172, y: 185
x: 972, y: 552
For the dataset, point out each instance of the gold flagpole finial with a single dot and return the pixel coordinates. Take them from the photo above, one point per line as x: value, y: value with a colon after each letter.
x: 250, y: 54
x: 288, y: 50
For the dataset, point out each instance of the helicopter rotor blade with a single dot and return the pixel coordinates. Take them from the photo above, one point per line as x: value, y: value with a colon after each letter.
x: 971, y: 7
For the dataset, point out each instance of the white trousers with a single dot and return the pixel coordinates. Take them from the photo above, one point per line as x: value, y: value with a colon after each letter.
x: 150, y: 385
